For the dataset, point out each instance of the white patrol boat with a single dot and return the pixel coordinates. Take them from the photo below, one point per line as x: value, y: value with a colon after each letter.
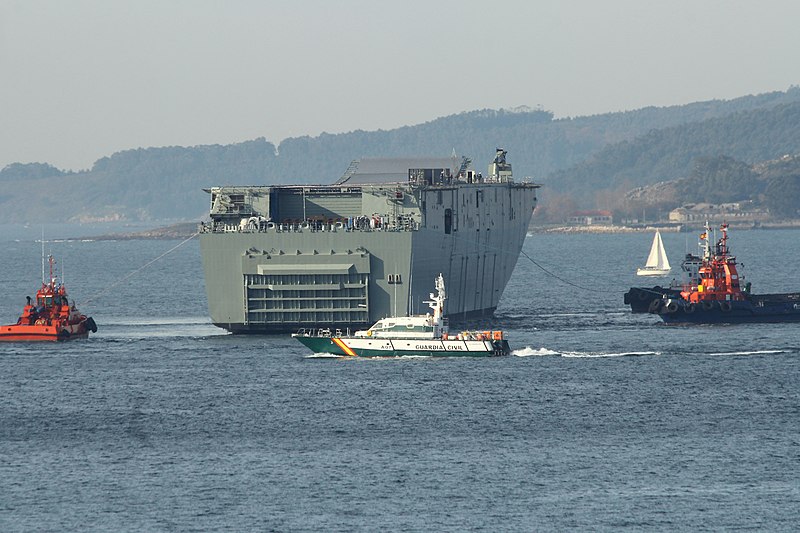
x: 420, y: 335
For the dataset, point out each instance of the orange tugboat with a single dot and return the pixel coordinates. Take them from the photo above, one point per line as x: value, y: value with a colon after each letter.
x: 52, y: 317
x: 716, y: 295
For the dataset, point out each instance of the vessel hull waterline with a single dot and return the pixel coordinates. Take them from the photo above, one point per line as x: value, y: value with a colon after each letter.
x: 733, y: 312
x: 654, y: 272
x: 31, y: 334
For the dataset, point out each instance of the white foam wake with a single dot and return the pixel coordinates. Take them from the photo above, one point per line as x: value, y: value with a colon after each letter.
x: 531, y: 352
x: 608, y: 354
x: 152, y: 320
x: 163, y: 327
x: 751, y: 352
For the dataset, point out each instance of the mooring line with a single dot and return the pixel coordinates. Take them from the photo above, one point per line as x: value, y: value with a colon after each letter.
x: 529, y: 258
x: 131, y: 274
x: 562, y: 280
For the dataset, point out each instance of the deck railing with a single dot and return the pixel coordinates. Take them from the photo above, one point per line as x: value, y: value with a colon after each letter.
x: 364, y: 223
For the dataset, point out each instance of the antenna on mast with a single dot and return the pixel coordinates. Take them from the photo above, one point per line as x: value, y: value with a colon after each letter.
x: 43, y: 282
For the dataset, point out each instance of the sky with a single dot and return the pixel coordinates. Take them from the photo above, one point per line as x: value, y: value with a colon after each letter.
x: 82, y: 79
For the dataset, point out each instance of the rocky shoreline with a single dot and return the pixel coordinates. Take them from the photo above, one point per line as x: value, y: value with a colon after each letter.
x: 597, y: 229
x: 663, y: 227
x: 181, y: 230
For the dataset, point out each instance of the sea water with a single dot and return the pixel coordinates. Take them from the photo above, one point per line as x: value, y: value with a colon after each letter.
x: 601, y: 420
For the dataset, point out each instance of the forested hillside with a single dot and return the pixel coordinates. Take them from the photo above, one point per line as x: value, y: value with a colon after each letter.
x: 575, y: 157
x: 669, y: 153
x: 773, y: 185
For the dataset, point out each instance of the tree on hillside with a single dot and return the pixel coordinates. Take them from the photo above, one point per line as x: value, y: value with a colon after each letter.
x: 554, y: 207
x: 719, y: 179
x: 782, y: 196
x: 29, y: 171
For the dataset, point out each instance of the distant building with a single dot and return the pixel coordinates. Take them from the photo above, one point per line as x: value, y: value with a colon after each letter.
x: 735, y: 211
x: 590, y: 218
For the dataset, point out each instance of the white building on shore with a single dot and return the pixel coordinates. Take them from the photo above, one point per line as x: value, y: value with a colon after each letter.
x: 734, y: 211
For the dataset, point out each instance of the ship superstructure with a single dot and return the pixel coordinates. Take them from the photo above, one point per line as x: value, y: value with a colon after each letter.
x: 283, y: 257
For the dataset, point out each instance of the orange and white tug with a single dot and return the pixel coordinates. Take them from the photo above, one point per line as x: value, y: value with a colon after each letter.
x: 716, y: 294
x: 52, y: 317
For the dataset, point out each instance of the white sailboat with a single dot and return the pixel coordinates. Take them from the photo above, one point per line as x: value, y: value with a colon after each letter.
x: 657, y: 262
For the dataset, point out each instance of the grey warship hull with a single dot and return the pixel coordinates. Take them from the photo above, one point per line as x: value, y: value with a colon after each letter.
x: 281, y: 258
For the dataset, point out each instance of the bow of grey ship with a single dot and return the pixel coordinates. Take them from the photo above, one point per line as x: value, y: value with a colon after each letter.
x: 284, y: 257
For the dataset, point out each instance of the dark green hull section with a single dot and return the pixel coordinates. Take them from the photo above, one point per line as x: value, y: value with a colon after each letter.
x: 320, y: 345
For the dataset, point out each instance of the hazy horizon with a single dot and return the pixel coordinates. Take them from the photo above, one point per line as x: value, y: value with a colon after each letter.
x: 87, y: 78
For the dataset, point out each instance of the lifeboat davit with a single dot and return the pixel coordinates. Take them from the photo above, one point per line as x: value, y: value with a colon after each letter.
x: 51, y: 317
